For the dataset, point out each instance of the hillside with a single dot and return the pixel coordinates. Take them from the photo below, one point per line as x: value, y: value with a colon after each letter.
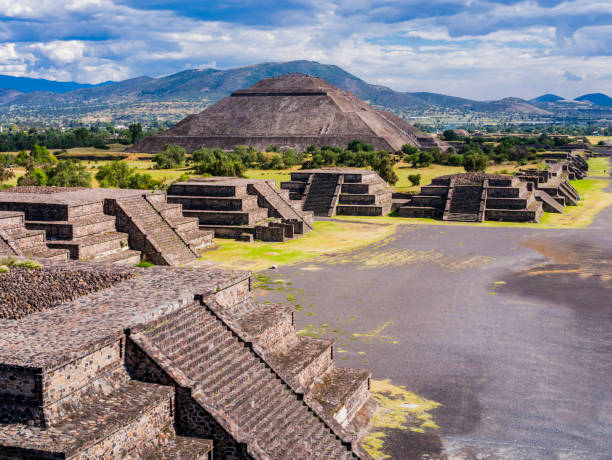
x: 547, y: 98
x: 171, y: 97
x: 209, y: 85
x: 28, y: 85
x: 599, y: 99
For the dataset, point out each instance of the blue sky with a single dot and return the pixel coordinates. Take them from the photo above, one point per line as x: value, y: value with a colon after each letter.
x: 470, y: 48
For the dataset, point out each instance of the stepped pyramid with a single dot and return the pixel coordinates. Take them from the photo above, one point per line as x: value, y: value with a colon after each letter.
x: 291, y: 111
x: 475, y: 197
x: 105, y: 225
x: 167, y: 363
x: 340, y: 191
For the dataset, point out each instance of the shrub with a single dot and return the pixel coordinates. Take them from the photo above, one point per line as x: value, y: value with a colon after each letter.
x: 171, y: 157
x: 114, y: 174
x: 273, y: 148
x: 455, y: 160
x: 415, y: 179
x: 408, y: 149
x: 68, y: 173
x: 475, y: 162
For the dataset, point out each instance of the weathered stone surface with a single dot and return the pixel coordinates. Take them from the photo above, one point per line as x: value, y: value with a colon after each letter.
x: 291, y: 111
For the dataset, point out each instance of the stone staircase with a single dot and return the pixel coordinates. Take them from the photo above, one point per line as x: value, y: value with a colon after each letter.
x: 278, y: 201
x: 464, y: 204
x: 322, y: 193
x: 240, y: 208
x: 17, y: 240
x: 340, y: 191
x: 336, y: 394
x: 227, y: 377
x: 150, y: 233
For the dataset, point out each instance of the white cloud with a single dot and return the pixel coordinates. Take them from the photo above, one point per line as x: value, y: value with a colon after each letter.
x: 496, y: 51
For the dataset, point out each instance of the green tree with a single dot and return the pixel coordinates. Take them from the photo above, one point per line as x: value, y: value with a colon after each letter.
x: 5, y: 173
x: 455, y: 160
x: 68, y: 173
x: 449, y: 135
x: 384, y: 168
x: 408, y: 149
x: 114, y: 174
x: 475, y: 162
x: 415, y: 179
x: 143, y: 182
x: 35, y: 176
x: 290, y: 158
x: 135, y: 132
x: 171, y: 157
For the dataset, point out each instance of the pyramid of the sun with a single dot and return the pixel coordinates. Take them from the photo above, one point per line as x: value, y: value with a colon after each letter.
x: 290, y: 111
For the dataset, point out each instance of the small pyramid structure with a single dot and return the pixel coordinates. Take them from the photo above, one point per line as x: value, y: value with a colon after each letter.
x: 290, y: 111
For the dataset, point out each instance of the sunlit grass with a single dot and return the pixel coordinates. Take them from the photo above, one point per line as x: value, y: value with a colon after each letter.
x: 599, y: 166
x: 326, y: 237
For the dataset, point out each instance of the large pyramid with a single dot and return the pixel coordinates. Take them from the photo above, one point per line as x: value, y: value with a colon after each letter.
x: 291, y: 111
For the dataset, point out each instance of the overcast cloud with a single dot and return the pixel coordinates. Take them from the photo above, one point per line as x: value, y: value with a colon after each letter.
x: 470, y: 48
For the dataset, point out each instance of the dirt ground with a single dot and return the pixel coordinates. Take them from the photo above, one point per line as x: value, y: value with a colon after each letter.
x: 505, y: 333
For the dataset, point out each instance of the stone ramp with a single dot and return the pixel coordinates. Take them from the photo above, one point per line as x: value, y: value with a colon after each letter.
x: 150, y: 233
x: 232, y: 383
x: 281, y: 206
x: 549, y: 204
x: 322, y: 193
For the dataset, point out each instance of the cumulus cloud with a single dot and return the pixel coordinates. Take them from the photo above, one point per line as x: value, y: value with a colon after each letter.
x: 481, y: 49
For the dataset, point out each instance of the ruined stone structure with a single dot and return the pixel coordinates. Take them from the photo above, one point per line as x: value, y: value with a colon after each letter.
x: 474, y: 197
x: 241, y: 208
x: 574, y: 165
x: 168, y: 363
x: 551, y: 186
x: 106, y: 225
x: 340, y: 191
x: 291, y: 111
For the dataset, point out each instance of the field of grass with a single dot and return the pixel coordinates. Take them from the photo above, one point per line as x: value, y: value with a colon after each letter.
x: 594, y: 140
x: 599, y: 166
x: 326, y: 238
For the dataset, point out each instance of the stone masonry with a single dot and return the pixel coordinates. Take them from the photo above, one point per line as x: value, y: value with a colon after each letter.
x: 340, y: 191
x: 170, y: 363
x: 105, y: 225
x: 474, y: 197
x: 241, y: 208
x: 291, y: 111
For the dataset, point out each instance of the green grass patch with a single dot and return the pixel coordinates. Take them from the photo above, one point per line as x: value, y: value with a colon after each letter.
x: 327, y: 238
x: 599, y: 166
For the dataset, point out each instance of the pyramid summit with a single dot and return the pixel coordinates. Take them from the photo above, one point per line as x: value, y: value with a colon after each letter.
x: 291, y: 111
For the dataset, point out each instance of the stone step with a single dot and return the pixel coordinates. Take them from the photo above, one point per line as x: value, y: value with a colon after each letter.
x: 363, y: 210
x: 237, y: 389
x: 110, y: 420
x: 229, y: 217
x: 126, y: 257
x: 26, y: 239
x: 45, y: 254
x: 428, y: 212
x: 74, y: 228
x: 341, y: 392
x: 305, y: 361
x: 205, y: 203
x: 92, y: 246
x: 462, y: 217
x: 175, y: 448
x: 10, y: 219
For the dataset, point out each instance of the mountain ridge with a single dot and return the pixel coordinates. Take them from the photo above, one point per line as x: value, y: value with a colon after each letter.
x: 202, y: 87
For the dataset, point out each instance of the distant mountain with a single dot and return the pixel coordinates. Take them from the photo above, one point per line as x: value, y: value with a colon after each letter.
x: 204, y: 86
x: 28, y: 85
x: 547, y: 98
x: 596, y: 99
x: 7, y: 95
